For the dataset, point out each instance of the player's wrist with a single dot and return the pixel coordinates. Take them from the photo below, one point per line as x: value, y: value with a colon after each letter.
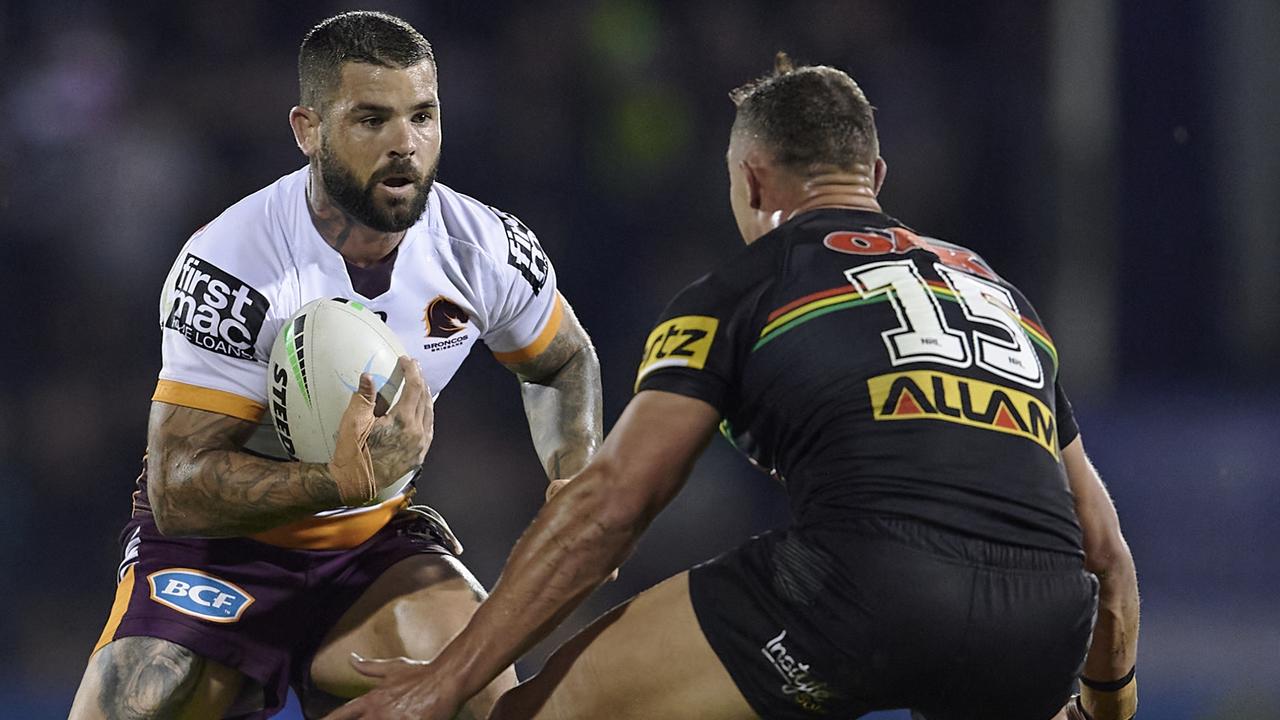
x: 352, y: 474
x: 1109, y: 699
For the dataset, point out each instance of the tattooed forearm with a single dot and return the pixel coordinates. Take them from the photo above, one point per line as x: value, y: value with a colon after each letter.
x: 146, y: 678
x: 564, y: 415
x: 200, y: 483
x: 562, y: 399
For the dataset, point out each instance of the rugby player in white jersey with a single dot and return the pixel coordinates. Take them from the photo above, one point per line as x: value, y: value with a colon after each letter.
x: 244, y: 575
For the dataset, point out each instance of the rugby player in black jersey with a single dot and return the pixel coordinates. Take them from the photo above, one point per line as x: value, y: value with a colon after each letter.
x: 951, y: 545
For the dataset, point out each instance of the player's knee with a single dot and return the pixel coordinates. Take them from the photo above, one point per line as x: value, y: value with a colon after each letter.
x: 140, y: 677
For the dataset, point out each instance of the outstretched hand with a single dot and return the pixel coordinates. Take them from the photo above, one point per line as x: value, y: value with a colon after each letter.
x: 406, y: 689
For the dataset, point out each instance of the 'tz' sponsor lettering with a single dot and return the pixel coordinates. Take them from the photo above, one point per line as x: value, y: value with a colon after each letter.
x: 684, y: 341
x: 214, y: 309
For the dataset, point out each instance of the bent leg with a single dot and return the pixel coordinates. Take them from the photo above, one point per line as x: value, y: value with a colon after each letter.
x: 138, y: 678
x: 412, y: 610
x: 645, y: 659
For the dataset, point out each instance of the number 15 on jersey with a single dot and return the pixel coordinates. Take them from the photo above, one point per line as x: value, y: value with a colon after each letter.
x: 923, y: 334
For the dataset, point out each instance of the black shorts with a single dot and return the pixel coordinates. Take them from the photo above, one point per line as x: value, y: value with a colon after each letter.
x: 892, y: 613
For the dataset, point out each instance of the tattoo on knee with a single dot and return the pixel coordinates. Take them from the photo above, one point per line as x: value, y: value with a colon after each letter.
x: 144, y: 678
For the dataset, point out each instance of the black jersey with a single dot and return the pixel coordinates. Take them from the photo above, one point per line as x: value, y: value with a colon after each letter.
x: 880, y: 373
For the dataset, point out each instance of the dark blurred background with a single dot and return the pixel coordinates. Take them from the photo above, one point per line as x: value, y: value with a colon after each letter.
x: 1116, y: 159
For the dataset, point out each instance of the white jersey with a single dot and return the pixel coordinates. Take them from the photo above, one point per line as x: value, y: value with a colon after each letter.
x: 465, y: 272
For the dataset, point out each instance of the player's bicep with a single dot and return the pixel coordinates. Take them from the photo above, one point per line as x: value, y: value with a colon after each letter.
x: 1098, y: 520
x: 651, y: 450
x: 568, y: 340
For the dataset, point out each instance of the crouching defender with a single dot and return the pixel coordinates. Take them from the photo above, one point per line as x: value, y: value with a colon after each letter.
x: 949, y: 536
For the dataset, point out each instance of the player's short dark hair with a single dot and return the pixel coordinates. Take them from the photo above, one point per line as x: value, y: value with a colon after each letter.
x: 361, y: 36
x: 813, y: 118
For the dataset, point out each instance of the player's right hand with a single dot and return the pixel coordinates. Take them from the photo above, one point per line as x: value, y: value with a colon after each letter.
x: 554, y: 487
x: 399, y: 440
x: 373, y: 452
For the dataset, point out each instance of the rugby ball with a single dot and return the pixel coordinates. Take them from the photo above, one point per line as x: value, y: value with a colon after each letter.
x: 315, y: 366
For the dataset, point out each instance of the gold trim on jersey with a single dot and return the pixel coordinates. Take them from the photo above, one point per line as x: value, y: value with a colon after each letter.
x: 333, y: 532
x: 540, y: 343
x: 207, y: 399
x: 124, y: 591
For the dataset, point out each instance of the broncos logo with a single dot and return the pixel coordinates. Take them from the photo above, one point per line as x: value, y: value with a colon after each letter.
x: 444, y: 318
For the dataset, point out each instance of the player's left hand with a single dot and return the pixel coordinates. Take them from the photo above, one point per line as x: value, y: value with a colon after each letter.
x: 406, y: 689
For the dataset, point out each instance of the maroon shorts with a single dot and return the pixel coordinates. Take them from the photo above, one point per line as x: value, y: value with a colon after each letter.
x: 258, y: 608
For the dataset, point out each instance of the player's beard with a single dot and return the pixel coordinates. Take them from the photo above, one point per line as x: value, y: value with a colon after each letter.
x: 357, y: 200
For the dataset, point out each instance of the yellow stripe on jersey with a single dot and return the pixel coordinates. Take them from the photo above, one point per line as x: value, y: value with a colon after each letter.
x: 333, y: 532
x: 207, y: 399
x: 124, y: 591
x: 540, y: 343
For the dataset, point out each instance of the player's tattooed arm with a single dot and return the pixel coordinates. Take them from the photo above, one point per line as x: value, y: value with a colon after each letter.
x: 562, y: 398
x: 201, y: 484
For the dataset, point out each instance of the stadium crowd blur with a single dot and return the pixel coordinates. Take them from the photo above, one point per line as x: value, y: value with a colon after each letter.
x: 1113, y: 158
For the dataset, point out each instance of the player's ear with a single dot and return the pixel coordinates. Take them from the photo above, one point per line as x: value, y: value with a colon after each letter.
x: 878, y: 174
x: 305, y: 122
x: 754, y: 190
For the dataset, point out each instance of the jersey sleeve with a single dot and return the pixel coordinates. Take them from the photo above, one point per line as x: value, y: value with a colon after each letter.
x: 1065, y: 417
x: 215, y: 317
x: 526, y: 311
x: 696, y: 349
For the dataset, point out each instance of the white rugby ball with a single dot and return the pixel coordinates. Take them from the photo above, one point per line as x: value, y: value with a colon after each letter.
x: 315, y: 366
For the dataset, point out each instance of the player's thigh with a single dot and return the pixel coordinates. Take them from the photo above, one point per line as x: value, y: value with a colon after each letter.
x: 412, y: 610
x: 645, y: 659
x: 143, y: 677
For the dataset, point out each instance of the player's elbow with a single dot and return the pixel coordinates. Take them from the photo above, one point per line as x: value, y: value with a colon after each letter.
x: 169, y: 522
x: 163, y: 495
x: 1108, y: 556
x: 615, y: 504
x: 165, y: 524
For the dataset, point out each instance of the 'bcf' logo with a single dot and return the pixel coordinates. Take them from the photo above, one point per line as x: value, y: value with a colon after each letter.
x: 194, y: 593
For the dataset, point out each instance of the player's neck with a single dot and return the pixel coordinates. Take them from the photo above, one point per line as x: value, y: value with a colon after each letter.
x: 358, y: 243
x: 821, y: 194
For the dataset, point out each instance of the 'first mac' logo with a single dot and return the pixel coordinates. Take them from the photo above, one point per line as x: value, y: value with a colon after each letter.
x: 214, y: 309
x: 194, y: 593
